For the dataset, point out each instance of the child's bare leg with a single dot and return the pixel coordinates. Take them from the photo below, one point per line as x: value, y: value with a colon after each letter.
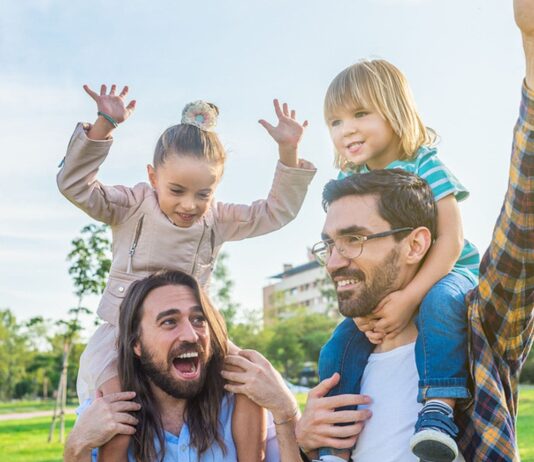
x: 249, y: 430
x: 115, y: 450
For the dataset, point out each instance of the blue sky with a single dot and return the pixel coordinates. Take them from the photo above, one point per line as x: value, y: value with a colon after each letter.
x: 463, y: 60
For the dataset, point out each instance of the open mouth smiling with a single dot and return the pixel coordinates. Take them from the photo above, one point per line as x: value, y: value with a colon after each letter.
x: 354, y: 146
x: 186, y: 216
x: 187, y: 365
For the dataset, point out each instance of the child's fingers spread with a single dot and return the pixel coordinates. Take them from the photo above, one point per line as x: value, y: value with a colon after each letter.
x: 131, y: 105
x: 113, y: 88
x: 285, y: 109
x: 293, y: 114
x: 90, y: 92
x: 277, y: 109
x: 103, y: 90
x: 266, y: 125
x: 124, y: 91
x: 305, y: 124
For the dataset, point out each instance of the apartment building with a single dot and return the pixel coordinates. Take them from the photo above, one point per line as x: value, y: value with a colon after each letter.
x: 303, y: 285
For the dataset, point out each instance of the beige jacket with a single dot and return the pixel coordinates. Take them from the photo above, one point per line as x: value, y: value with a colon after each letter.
x: 144, y: 239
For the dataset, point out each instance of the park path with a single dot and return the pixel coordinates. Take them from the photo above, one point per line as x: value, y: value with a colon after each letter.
x: 31, y: 415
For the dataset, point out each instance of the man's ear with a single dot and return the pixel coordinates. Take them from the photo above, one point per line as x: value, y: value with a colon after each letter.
x: 137, y: 349
x: 419, y: 242
x: 152, y: 176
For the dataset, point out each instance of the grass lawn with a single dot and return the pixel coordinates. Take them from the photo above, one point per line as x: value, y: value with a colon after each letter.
x: 525, y: 424
x: 25, y: 440
x: 10, y: 407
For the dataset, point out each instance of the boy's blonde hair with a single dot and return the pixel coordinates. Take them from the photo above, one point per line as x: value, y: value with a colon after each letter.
x: 377, y: 84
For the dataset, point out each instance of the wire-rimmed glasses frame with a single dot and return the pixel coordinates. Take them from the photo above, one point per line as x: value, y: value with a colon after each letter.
x: 348, y: 245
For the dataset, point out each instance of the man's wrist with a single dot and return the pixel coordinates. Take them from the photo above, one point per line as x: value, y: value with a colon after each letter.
x: 528, y: 46
x: 285, y: 416
x: 76, y: 449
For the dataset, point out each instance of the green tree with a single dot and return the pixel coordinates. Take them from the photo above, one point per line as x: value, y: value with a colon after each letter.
x: 13, y: 354
x: 317, y: 329
x: 90, y: 264
x: 221, y: 291
x: 285, y: 349
x: 297, y: 338
x: 527, y: 373
x: 42, y: 364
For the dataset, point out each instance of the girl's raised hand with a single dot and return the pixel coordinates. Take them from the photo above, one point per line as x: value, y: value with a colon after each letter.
x: 288, y: 132
x: 111, y: 104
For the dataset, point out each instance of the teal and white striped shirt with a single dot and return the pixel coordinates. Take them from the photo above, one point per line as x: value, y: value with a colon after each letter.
x: 442, y: 182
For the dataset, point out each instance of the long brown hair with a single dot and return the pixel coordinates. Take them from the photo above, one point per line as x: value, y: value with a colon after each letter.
x: 202, y: 411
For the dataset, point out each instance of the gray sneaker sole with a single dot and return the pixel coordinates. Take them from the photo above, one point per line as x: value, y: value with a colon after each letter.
x: 433, y: 446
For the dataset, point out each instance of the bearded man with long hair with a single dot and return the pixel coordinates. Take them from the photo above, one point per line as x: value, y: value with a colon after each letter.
x: 142, y: 371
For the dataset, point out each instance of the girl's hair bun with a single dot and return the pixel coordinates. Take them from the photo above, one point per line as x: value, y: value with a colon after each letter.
x: 200, y: 114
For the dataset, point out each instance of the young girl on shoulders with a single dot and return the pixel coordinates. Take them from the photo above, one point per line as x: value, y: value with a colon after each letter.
x: 374, y: 124
x: 173, y: 222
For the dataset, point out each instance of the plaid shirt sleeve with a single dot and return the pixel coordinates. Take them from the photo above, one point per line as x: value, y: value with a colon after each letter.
x: 506, y: 289
x: 501, y: 322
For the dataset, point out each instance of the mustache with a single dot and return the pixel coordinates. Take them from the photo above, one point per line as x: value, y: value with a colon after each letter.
x: 347, y: 273
x: 186, y: 347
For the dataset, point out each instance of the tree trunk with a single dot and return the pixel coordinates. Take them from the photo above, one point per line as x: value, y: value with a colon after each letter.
x: 61, y: 395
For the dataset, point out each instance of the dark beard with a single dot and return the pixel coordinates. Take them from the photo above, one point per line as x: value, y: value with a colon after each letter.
x: 161, y: 375
x: 382, y: 283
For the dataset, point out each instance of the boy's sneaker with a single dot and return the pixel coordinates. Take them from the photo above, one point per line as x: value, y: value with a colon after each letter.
x: 331, y: 458
x: 334, y: 455
x: 435, y: 430
x: 335, y: 458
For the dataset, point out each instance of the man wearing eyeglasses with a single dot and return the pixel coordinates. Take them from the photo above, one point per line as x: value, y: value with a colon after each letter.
x: 373, y: 250
x: 369, y: 252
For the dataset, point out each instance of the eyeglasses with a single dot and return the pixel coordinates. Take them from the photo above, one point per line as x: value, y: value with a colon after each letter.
x: 348, y: 245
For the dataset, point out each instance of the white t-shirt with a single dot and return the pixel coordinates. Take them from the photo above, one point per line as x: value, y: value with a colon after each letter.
x: 390, y: 379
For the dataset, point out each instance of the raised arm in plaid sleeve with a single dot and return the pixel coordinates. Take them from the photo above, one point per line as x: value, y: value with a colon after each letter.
x: 501, y: 309
x: 504, y: 302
